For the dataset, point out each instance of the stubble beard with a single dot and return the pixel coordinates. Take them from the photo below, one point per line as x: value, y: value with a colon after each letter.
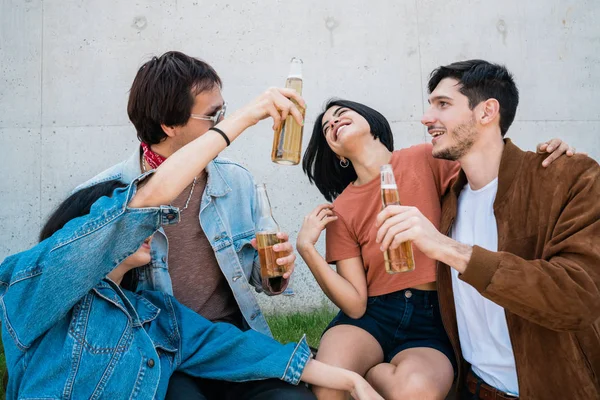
x: 464, y: 137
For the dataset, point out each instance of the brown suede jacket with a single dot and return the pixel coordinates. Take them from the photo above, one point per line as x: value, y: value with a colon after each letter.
x: 545, y: 274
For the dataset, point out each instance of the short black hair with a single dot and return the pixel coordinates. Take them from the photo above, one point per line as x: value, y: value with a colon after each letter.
x: 481, y: 80
x: 79, y: 204
x: 321, y: 164
x: 163, y: 92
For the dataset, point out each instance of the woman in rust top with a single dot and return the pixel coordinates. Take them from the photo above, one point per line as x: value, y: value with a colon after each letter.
x: 388, y: 327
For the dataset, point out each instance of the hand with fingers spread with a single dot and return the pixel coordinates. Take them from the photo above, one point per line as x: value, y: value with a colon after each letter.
x: 556, y: 148
x: 283, y: 247
x: 275, y: 103
x: 313, y: 225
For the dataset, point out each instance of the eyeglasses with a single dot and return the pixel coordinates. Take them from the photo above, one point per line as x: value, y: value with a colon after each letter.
x: 215, y: 118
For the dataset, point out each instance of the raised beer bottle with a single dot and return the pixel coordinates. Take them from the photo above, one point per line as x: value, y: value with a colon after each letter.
x: 400, y: 259
x: 266, y: 237
x: 287, y: 141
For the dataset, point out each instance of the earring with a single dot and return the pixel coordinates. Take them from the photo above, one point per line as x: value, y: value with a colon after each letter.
x: 344, y: 163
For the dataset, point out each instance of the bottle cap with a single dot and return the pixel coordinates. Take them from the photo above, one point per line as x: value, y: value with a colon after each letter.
x: 295, y: 68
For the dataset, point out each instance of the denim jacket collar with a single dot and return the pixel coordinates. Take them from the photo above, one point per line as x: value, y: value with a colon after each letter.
x: 138, y: 308
x: 216, y: 185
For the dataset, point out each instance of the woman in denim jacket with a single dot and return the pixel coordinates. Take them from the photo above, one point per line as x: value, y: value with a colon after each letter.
x: 71, y: 331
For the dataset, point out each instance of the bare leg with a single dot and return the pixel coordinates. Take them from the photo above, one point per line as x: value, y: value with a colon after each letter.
x: 417, y: 373
x: 348, y: 347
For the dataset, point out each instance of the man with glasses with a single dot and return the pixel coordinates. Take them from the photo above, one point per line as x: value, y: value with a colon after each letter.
x: 215, y: 119
x: 208, y: 262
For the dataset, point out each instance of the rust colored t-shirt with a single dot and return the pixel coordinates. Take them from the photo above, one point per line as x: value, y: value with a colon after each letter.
x: 198, y: 281
x: 421, y: 181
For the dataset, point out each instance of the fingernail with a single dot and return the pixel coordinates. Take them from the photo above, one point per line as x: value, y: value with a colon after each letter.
x: 550, y: 148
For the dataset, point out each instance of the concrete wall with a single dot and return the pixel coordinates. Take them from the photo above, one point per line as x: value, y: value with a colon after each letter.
x: 66, y: 67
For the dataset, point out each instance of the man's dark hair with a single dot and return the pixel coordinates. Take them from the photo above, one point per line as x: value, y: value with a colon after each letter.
x: 481, y: 80
x: 321, y: 164
x: 163, y: 92
x: 79, y: 204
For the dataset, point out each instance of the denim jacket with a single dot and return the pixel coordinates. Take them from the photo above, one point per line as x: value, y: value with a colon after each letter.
x: 227, y: 215
x: 71, y: 333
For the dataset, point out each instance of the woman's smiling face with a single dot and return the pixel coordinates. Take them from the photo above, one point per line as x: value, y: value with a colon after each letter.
x: 341, y: 124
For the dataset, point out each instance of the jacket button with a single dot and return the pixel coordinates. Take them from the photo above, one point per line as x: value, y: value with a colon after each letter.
x: 151, y: 363
x: 164, y: 259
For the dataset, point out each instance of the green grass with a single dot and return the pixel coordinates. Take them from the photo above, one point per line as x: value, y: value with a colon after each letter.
x: 286, y: 328
x: 290, y: 327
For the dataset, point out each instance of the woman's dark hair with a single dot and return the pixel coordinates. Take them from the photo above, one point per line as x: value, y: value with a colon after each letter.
x: 163, y: 92
x: 77, y: 205
x: 321, y: 164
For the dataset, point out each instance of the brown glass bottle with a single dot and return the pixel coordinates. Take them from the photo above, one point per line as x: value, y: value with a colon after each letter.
x: 287, y: 140
x: 266, y: 237
x: 400, y: 259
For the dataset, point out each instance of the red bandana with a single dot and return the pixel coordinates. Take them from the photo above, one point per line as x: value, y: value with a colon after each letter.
x: 153, y: 159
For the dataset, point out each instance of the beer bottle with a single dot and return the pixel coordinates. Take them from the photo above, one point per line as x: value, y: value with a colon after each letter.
x: 287, y: 141
x: 400, y: 259
x: 266, y: 237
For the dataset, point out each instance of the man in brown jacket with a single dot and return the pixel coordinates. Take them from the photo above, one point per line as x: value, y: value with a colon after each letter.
x: 519, y: 276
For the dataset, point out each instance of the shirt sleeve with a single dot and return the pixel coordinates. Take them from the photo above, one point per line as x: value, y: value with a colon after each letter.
x: 222, y: 351
x: 39, y: 286
x: 444, y: 171
x: 340, y: 242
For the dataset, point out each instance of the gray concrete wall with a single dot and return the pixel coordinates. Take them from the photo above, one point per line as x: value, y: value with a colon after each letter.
x: 66, y: 67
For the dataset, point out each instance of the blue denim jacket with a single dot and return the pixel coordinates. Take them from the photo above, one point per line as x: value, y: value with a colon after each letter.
x: 71, y: 333
x: 227, y: 215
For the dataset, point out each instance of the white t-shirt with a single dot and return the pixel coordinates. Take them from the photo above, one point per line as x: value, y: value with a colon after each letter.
x: 482, y: 327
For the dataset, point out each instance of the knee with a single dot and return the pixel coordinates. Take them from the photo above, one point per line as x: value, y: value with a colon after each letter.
x: 375, y: 373
x: 415, y: 385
